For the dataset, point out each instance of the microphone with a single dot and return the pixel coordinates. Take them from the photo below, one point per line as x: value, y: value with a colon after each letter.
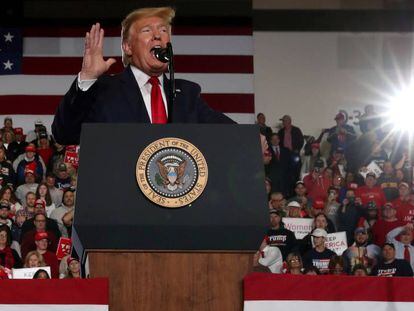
x: 163, y: 54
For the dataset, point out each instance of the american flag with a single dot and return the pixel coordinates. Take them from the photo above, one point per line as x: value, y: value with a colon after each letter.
x: 45, y: 61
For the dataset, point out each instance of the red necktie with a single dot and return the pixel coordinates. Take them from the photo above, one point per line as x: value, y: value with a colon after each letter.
x: 158, y: 114
x: 407, y: 253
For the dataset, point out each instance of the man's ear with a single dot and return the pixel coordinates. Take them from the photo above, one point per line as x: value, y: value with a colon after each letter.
x: 126, y: 47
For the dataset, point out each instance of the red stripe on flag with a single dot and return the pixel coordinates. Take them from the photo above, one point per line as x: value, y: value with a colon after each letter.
x: 80, y: 31
x: 259, y: 286
x: 231, y: 103
x: 47, y: 104
x: 67, y: 291
x: 183, y: 64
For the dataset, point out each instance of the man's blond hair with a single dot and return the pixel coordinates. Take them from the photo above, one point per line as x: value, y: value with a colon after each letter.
x: 165, y: 13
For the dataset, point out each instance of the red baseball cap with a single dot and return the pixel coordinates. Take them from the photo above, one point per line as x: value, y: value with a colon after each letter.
x: 41, y: 235
x: 30, y: 148
x: 40, y: 202
x: 318, y: 204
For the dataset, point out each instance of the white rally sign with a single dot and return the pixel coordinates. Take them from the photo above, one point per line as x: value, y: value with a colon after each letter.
x: 300, y: 226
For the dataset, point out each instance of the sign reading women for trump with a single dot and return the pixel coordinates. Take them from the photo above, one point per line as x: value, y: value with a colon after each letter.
x: 299, y: 226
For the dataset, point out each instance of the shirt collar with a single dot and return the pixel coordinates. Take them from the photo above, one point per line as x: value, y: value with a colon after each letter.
x: 142, y: 78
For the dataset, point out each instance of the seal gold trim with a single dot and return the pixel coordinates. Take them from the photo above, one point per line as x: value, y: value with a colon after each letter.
x: 171, y: 172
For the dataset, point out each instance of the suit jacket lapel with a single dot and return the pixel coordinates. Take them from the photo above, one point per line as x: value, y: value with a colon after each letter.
x: 167, y: 85
x: 133, y: 94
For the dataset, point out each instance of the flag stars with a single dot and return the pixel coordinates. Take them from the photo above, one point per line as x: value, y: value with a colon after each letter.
x: 8, y: 38
x: 8, y: 65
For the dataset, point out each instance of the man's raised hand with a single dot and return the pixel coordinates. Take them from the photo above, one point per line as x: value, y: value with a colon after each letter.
x: 93, y: 64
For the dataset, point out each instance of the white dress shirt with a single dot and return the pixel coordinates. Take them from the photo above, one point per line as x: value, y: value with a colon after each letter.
x: 143, y: 84
x: 399, y: 247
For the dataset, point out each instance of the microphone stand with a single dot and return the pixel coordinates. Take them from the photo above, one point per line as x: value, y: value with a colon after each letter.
x: 171, y: 94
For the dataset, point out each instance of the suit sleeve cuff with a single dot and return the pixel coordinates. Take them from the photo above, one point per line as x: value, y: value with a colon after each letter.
x: 85, y: 85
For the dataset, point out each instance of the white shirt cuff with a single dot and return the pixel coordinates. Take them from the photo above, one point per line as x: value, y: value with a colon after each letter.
x: 84, y: 85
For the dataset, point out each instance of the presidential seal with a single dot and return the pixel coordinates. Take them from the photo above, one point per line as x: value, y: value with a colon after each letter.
x: 171, y: 172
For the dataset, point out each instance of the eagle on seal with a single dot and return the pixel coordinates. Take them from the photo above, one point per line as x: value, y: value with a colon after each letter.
x: 172, y: 175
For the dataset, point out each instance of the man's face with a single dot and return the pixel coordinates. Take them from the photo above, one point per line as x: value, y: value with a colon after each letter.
x: 144, y: 35
x: 42, y: 244
x: 370, y: 181
x: 68, y: 198
x: 29, y: 178
x: 40, y: 222
x: 30, y: 200
x: 387, y: 168
x: 404, y: 191
x: 286, y: 122
x: 406, y: 237
x: 63, y: 174
x: 274, y: 220
x: 275, y: 140
x: 8, y: 124
x: 261, y: 119
x: 50, y: 181
x: 361, y: 238
x: 4, y: 213
x: 300, y: 190
x: 389, y: 213
x: 30, y: 154
x: 388, y: 253
x: 276, y: 200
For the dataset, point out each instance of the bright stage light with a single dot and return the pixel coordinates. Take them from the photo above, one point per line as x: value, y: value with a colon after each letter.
x: 401, y: 111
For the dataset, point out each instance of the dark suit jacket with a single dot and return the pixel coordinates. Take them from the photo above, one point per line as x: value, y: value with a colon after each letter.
x: 297, y: 138
x: 278, y: 170
x: 117, y: 99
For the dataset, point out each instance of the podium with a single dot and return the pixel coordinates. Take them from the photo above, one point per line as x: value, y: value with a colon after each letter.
x: 192, y: 257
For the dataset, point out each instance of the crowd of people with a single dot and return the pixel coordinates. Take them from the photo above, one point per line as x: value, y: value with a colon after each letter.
x: 353, y: 180
x: 37, y: 200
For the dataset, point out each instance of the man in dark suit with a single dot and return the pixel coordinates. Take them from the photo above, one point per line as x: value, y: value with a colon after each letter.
x: 138, y: 94
x: 278, y: 168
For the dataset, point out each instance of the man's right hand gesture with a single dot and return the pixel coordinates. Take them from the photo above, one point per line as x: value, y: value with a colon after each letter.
x: 93, y: 65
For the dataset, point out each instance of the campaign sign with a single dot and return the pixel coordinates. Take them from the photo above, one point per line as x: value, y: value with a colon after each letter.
x: 72, y: 155
x: 299, y: 226
x: 27, y: 273
x: 337, y: 242
x: 64, y: 248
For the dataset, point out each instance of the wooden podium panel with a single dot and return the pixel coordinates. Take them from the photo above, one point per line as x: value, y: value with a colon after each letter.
x: 148, y: 281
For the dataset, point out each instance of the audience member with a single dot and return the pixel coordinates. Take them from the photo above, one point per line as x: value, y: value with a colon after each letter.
x: 264, y: 129
x: 388, y: 222
x: 361, y: 252
x: 371, y: 192
x: 34, y: 260
x: 43, y: 193
x: 30, y: 162
x: 63, y: 179
x: 279, y: 166
x: 404, y: 206
x: 18, y: 146
x: 67, y: 206
x: 317, y: 183
x: 294, y: 263
x: 359, y: 270
x: 336, y: 265
x: 74, y: 271
x: 7, y: 194
x: 7, y: 125
x: 291, y: 137
x: 30, y: 185
x: 9, y: 258
x: 388, y: 182
x: 55, y: 193
x: 403, y: 247
x: 390, y: 266
x: 4, y: 214
x: 319, y: 256
x: 349, y: 213
x: 271, y: 258
x: 41, y: 274
x: 341, y: 135
x: 42, y: 244
x: 308, y: 161
x: 278, y: 235
x: 7, y: 174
